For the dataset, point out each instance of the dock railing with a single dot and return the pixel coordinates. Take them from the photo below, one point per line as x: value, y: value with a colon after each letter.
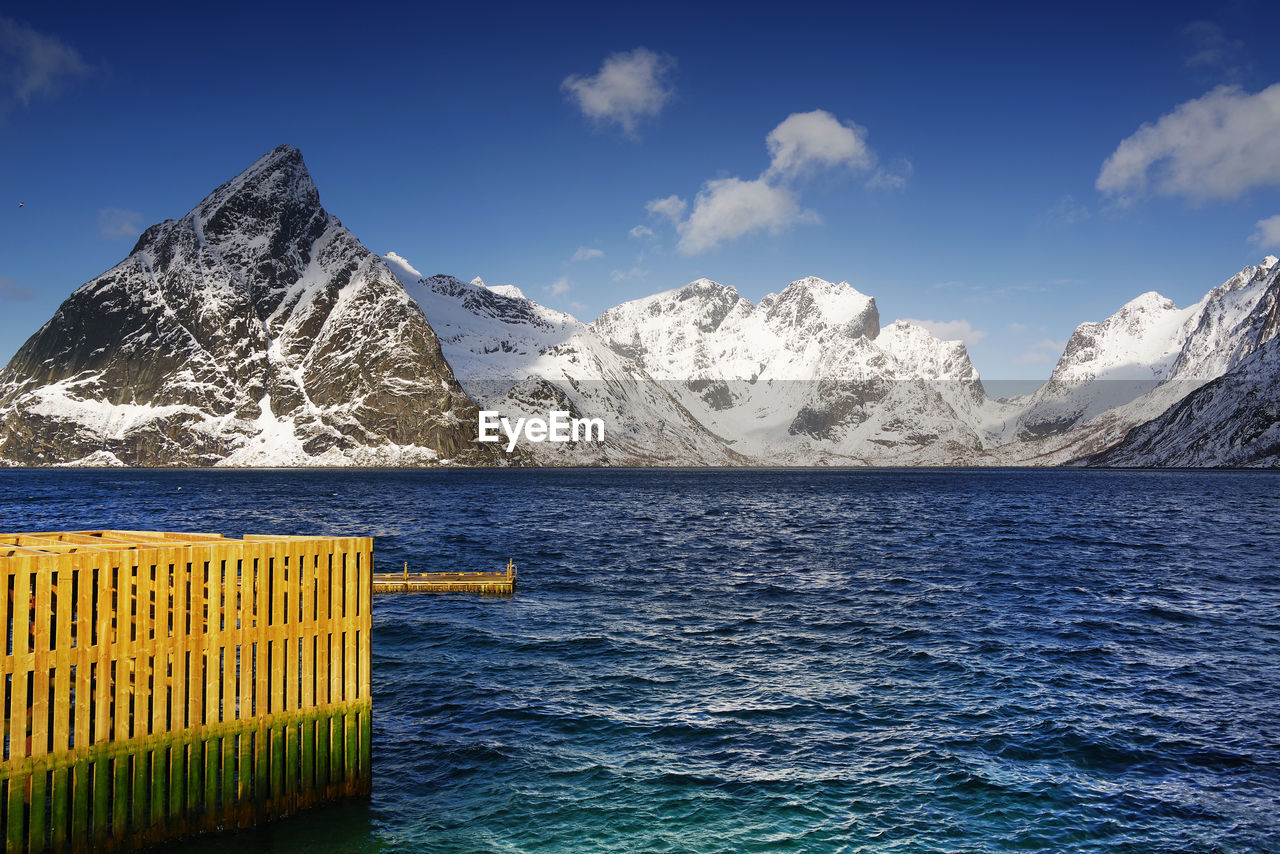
x: 491, y: 583
x: 159, y: 684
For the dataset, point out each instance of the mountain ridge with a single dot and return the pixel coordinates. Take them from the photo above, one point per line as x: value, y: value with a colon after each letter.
x: 257, y: 330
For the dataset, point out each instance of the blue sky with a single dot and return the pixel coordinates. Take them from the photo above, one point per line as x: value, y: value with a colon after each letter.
x: 979, y: 167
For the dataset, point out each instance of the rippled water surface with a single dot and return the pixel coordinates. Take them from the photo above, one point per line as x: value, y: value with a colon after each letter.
x: 726, y: 661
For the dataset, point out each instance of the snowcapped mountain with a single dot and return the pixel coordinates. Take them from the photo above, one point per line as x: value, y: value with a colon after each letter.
x: 701, y: 376
x: 807, y: 376
x: 1108, y: 364
x: 1233, y: 420
x: 256, y: 330
x: 1135, y: 365
x: 524, y: 360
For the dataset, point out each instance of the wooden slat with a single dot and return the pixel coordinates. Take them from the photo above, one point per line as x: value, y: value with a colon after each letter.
x: 63, y: 610
x: 244, y: 688
x: 141, y: 694
x: 20, y: 743
x: 179, y: 563
x: 103, y: 583
x: 84, y: 659
x: 213, y: 686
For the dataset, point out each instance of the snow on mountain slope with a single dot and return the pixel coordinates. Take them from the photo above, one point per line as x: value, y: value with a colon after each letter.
x: 256, y: 330
x: 1109, y: 364
x: 804, y: 376
x: 1140, y: 362
x: 1149, y: 353
x: 1232, y: 421
x: 1232, y: 321
x: 524, y: 360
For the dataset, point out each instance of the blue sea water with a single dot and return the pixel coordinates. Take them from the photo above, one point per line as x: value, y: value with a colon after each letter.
x: 813, y: 660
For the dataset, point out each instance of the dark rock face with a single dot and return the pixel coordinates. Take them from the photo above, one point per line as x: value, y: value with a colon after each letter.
x: 256, y: 330
x: 837, y: 405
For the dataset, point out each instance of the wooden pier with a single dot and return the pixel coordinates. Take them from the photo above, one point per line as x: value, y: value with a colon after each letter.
x: 494, y: 583
x: 158, y: 684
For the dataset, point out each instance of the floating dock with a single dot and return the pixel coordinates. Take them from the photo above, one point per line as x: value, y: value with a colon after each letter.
x: 492, y: 583
x: 159, y: 684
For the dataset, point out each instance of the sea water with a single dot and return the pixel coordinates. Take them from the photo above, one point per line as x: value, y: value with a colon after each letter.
x: 783, y: 660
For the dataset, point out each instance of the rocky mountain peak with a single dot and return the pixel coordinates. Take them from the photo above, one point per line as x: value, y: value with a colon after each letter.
x: 510, y: 291
x: 1231, y: 323
x: 812, y: 305
x: 705, y: 295
x: 274, y: 201
x: 1151, y: 301
x: 278, y: 175
x: 255, y: 330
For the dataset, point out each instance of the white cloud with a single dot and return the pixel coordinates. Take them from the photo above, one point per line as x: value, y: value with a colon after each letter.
x: 1017, y: 327
x: 34, y: 64
x: 641, y: 231
x: 585, y: 254
x: 892, y: 177
x: 951, y: 330
x: 816, y: 139
x: 630, y: 86
x: 1214, y: 147
x: 728, y: 208
x: 1268, y: 234
x: 672, y: 207
x: 114, y: 222
x: 558, y: 288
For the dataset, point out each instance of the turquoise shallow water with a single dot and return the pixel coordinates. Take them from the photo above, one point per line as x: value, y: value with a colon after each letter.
x: 887, y: 661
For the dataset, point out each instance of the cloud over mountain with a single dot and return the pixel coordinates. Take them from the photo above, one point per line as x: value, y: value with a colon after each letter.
x: 802, y: 145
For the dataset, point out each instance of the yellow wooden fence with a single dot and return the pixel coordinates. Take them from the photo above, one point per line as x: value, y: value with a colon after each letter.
x: 159, y: 684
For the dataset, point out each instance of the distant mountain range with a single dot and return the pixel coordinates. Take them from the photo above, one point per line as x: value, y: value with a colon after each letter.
x: 258, y: 331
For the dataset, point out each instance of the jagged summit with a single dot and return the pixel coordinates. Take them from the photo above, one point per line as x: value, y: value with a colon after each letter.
x: 279, y: 176
x: 814, y: 303
x: 699, y: 291
x: 703, y: 286
x: 1147, y: 302
x: 507, y: 291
